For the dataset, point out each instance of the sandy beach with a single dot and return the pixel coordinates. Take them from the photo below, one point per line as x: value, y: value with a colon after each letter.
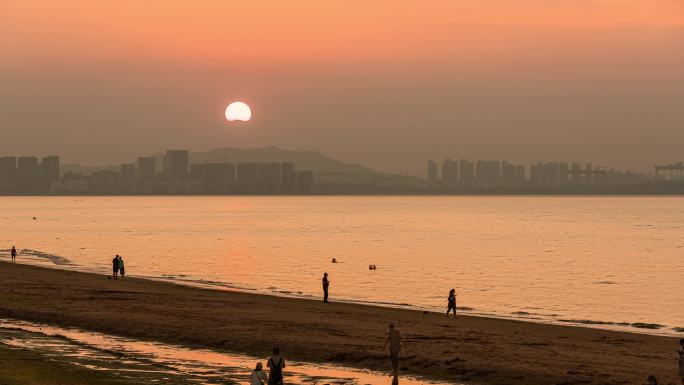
x: 469, y: 349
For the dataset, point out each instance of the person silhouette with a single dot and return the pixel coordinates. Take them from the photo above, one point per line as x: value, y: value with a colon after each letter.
x: 115, y: 267
x: 396, y: 344
x: 326, y: 284
x: 258, y: 377
x: 276, y: 363
x: 122, y: 272
x: 452, y: 302
x: 13, y: 253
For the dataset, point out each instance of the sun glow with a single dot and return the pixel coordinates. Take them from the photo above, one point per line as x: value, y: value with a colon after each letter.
x: 238, y: 111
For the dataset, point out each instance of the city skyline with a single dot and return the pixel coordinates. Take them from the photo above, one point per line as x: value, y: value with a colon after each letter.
x: 173, y: 172
x: 420, y: 170
x: 175, y: 175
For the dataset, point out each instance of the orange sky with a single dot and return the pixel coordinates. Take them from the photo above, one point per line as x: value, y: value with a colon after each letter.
x: 297, y: 30
x: 417, y: 71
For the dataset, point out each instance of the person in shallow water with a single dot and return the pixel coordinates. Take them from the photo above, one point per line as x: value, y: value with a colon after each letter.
x: 326, y: 284
x: 122, y: 272
x: 13, y: 253
x: 258, y: 377
x: 396, y: 344
x: 115, y: 267
x: 452, y: 302
x: 276, y: 363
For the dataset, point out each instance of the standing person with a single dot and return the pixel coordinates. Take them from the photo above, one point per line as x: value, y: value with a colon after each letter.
x: 326, y: 284
x: 122, y: 272
x: 276, y: 363
x: 680, y: 353
x: 452, y: 302
x: 258, y: 377
x: 115, y: 267
x: 396, y: 344
x: 13, y: 253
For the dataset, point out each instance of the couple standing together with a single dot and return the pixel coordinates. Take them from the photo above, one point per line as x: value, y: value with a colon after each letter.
x: 118, y: 267
x: 275, y: 363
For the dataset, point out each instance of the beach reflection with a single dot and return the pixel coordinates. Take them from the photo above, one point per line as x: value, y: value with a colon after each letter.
x: 154, y: 362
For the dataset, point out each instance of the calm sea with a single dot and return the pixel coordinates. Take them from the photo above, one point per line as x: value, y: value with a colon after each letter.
x: 615, y: 262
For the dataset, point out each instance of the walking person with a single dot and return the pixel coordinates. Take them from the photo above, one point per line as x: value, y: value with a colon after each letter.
x: 452, y: 302
x: 258, y: 377
x: 115, y: 267
x: 396, y: 344
x: 680, y: 353
x: 276, y: 363
x: 122, y: 272
x: 326, y: 284
x: 13, y: 253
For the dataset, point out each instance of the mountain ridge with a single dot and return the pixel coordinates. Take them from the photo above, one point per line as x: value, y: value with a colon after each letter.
x: 309, y: 160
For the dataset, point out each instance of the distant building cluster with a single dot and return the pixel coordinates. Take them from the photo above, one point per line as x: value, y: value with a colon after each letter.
x: 504, y: 173
x: 28, y: 175
x: 25, y: 175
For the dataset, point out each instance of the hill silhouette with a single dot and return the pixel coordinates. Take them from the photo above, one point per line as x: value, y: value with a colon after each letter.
x: 304, y: 160
x: 326, y: 169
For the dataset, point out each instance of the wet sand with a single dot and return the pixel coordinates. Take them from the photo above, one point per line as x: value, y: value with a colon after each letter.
x: 469, y: 349
x: 21, y: 367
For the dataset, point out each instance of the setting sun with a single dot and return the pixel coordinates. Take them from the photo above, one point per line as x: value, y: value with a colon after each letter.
x: 238, y: 111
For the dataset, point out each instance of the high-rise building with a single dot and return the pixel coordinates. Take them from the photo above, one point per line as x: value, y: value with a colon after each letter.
x: 269, y: 174
x: 103, y: 182
x: 8, y: 174
x: 508, y: 173
x: 520, y: 176
x: 28, y: 174
x: 576, y: 173
x: 536, y: 176
x: 432, y: 170
x: 450, y: 171
x: 488, y: 171
x: 198, y: 172
x: 49, y: 169
x: 306, y: 181
x: 220, y: 172
x: 177, y: 165
x: 289, y: 177
x: 229, y: 170
x: 545, y: 174
x: 146, y: 168
x: 214, y: 176
x: 563, y: 173
x: 127, y: 172
x: 551, y: 173
x: 589, y: 175
x: 246, y: 172
x: 466, y: 171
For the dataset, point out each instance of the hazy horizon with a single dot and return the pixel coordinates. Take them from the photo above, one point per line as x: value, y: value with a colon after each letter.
x: 382, y: 84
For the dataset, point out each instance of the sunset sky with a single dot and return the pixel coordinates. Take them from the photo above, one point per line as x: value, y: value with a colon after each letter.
x: 386, y: 83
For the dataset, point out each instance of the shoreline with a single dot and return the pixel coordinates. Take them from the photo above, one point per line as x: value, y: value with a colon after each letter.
x: 61, y: 263
x: 470, y: 349
x: 521, y: 316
